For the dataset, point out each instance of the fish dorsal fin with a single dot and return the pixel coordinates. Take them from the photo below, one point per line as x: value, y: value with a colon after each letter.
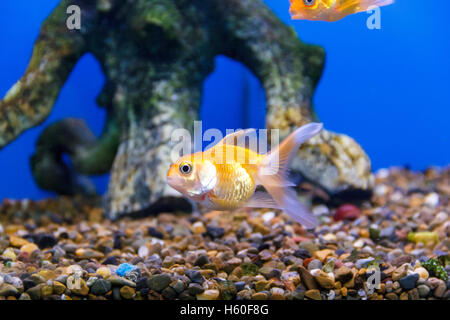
x: 232, y: 138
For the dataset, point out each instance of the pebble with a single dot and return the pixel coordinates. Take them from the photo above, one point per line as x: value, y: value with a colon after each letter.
x: 302, y: 254
x: 440, y: 289
x: 314, y: 264
x: 211, y: 294
x: 313, y: 294
x: 153, y: 232
x: 143, y: 251
x: 124, y: 268
x: 201, y: 260
x: 8, y: 290
x: 120, y: 281
x: 323, y: 254
x: 195, y: 276
x: 9, y: 254
x: 387, y: 232
x: 195, y: 288
x: 83, y: 253
x: 127, y: 292
x: 159, y: 281
x: 432, y: 200
x: 409, y: 281
x: 362, y: 263
x: 215, y: 232
x: 347, y: 211
x: 391, y: 296
x: 105, y: 272
x: 307, y: 278
x: 17, y: 241
x: 259, y: 296
x: 424, y: 290
x: 28, y: 248
x: 198, y: 227
x: 100, y: 287
x: 45, y: 240
x: 268, y: 216
x: 58, y: 287
x: 324, y: 280
x: 244, y: 254
x: 422, y: 272
x: 343, y: 274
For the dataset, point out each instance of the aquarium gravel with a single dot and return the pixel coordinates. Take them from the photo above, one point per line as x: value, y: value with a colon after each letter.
x: 65, y: 249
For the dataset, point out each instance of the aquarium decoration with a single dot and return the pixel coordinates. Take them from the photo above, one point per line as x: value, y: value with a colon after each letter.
x: 155, y: 57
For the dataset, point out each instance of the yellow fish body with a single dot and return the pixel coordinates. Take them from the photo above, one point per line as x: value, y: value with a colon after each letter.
x: 331, y: 10
x: 226, y: 176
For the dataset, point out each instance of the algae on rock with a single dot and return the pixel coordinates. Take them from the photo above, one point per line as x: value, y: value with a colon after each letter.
x: 155, y: 55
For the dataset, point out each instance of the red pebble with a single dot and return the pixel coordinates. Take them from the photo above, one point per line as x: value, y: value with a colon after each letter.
x: 299, y: 239
x: 347, y: 211
x: 307, y: 261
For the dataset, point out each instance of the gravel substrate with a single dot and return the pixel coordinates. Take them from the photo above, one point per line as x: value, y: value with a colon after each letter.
x: 63, y: 249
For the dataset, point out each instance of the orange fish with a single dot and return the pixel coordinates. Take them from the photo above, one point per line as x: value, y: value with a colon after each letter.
x: 331, y: 10
x: 225, y: 176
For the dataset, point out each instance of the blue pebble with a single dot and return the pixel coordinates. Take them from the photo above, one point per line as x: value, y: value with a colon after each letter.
x: 409, y: 282
x: 124, y: 268
x: 240, y: 285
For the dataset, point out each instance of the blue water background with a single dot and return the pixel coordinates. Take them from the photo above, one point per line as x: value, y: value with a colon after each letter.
x: 389, y: 89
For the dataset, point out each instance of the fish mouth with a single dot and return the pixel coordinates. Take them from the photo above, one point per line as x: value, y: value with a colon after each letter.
x: 172, y: 181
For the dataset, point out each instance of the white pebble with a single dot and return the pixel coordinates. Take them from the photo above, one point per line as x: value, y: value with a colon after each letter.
x: 268, y: 216
x: 320, y: 210
x: 156, y: 240
x: 314, y: 272
x: 143, y: 251
x: 358, y: 244
x: 380, y: 190
x: 341, y: 235
x: 382, y: 173
x: 329, y: 237
x: 331, y: 295
x: 397, y: 196
x: 432, y: 200
x: 441, y: 217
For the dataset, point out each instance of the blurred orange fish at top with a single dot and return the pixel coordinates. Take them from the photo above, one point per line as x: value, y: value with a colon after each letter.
x: 331, y: 10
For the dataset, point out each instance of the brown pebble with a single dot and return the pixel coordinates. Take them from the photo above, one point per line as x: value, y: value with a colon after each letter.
x: 313, y: 294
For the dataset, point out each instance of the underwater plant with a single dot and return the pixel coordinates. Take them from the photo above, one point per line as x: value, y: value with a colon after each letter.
x: 155, y: 55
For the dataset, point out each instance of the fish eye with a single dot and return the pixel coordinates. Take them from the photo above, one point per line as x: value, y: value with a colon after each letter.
x: 309, y: 3
x: 185, y: 168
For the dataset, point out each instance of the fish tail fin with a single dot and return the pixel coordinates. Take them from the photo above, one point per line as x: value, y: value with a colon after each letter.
x: 272, y: 174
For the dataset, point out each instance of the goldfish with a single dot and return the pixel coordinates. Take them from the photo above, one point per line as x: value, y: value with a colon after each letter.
x: 331, y: 10
x: 225, y: 176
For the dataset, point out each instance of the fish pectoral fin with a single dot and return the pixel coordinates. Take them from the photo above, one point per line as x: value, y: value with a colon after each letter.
x: 261, y: 199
